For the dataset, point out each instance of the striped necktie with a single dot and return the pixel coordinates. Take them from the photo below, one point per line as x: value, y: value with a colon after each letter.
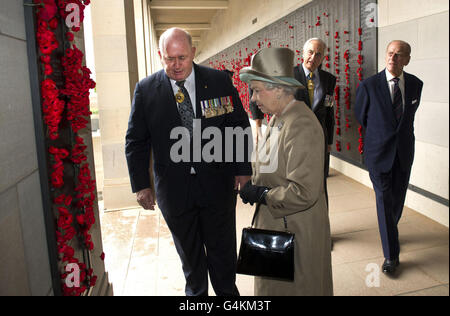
x: 311, y: 89
x: 398, y: 100
x: 185, y: 107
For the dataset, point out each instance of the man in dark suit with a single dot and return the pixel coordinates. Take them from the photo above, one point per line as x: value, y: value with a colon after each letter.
x: 197, y: 196
x: 385, y: 106
x: 319, y: 93
x: 320, y: 89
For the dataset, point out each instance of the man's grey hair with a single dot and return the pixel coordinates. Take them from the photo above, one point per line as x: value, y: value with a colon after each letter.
x: 168, y: 33
x: 403, y: 43
x: 315, y: 39
x: 286, y: 89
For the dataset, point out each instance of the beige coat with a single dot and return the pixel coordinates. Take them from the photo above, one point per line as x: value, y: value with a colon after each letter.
x: 297, y: 192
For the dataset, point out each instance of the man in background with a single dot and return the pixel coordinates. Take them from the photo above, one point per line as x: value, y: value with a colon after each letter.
x: 385, y: 106
x: 320, y: 89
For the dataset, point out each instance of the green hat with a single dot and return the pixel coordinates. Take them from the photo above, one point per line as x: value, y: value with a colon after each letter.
x: 274, y: 65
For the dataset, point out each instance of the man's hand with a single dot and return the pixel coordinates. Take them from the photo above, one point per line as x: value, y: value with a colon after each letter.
x: 145, y: 199
x: 240, y: 181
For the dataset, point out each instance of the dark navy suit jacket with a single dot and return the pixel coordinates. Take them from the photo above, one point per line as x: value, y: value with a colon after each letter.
x: 325, y: 114
x: 154, y: 115
x: 384, y: 137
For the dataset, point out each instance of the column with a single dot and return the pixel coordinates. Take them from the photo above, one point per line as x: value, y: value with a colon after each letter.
x: 113, y: 28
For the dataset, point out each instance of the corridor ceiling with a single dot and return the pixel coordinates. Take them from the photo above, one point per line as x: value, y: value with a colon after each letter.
x: 194, y: 16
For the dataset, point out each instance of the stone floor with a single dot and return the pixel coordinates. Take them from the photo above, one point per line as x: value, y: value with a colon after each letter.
x: 141, y: 257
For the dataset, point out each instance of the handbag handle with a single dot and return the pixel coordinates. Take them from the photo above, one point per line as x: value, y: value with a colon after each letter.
x: 258, y: 205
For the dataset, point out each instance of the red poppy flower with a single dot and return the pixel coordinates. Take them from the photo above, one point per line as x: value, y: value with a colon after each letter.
x: 70, y: 36
x: 53, y: 23
x: 48, y: 10
x: 45, y: 59
x: 81, y: 219
x: 48, y: 70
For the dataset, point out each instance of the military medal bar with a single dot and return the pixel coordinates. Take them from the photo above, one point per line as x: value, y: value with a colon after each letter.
x: 217, y: 107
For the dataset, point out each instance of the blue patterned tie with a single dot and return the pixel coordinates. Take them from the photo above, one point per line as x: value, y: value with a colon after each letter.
x: 185, y: 108
x: 398, y: 101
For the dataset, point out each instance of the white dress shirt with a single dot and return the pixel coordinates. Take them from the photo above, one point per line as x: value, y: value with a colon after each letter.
x: 391, y: 84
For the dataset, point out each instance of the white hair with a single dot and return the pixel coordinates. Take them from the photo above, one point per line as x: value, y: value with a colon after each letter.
x: 286, y: 89
x: 315, y: 39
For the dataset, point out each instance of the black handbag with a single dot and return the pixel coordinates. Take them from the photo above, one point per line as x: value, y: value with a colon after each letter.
x: 266, y: 253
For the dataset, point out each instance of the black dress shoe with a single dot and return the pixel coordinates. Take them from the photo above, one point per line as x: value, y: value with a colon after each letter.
x: 389, y: 266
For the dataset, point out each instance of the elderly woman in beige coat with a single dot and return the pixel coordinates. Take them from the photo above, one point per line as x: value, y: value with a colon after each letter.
x: 289, y: 183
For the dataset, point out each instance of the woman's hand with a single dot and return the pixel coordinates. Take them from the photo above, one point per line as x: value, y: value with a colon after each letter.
x: 253, y: 194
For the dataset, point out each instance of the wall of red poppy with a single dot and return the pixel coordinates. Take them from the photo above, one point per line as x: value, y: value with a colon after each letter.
x: 67, y: 107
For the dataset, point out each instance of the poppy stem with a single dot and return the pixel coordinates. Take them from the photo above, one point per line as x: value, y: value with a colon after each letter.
x: 34, y: 4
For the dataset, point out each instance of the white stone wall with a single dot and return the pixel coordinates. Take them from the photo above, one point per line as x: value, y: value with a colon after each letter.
x: 24, y: 263
x: 425, y: 25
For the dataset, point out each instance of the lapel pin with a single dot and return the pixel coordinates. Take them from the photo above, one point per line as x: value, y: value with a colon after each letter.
x: 179, y: 97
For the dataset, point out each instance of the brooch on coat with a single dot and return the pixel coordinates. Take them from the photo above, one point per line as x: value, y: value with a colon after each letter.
x: 179, y: 97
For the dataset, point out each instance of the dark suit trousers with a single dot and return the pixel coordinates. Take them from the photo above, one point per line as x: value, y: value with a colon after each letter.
x: 205, y: 239
x: 390, y: 190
